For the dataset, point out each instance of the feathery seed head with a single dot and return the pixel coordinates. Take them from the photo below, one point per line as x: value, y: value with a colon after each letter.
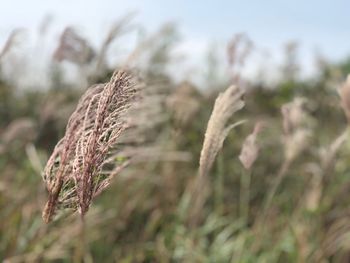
x: 226, y: 104
x: 250, y: 149
x: 73, y: 174
x: 296, y: 127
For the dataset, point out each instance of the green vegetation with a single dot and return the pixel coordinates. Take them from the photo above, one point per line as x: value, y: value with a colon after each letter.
x: 290, y: 205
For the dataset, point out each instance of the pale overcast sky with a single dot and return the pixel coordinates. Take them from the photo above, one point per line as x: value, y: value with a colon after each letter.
x: 322, y: 25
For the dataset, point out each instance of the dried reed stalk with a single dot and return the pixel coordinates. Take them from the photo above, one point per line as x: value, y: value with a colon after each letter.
x: 74, y: 48
x: 250, y: 149
x: 226, y: 104
x: 296, y: 135
x: 297, y: 132
x: 119, y: 28
x: 10, y: 42
x: 73, y: 174
x: 238, y: 50
x: 248, y: 155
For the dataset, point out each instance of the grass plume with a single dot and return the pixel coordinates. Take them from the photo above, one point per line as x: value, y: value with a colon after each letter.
x: 226, y: 104
x: 73, y: 172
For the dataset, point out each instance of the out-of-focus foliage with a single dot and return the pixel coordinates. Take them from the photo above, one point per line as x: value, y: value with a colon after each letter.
x: 143, y: 215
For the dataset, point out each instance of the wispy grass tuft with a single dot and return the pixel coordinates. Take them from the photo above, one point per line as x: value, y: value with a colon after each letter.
x: 73, y: 174
x: 226, y: 104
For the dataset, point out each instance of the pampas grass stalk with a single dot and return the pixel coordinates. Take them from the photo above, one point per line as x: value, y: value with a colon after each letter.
x: 248, y: 156
x: 226, y: 104
x: 73, y: 174
x: 11, y: 41
x: 296, y: 129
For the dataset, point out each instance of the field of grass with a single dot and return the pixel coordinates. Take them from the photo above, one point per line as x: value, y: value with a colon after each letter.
x: 259, y: 173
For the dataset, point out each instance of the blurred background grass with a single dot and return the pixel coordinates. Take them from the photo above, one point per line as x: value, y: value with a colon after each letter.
x: 142, y: 216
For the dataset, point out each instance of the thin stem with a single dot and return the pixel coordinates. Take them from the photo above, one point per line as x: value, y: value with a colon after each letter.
x: 280, y: 176
x: 81, y: 245
x: 278, y: 180
x: 219, y: 184
x: 245, y: 195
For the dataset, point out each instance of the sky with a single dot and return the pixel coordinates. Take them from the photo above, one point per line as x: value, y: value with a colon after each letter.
x: 318, y: 25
